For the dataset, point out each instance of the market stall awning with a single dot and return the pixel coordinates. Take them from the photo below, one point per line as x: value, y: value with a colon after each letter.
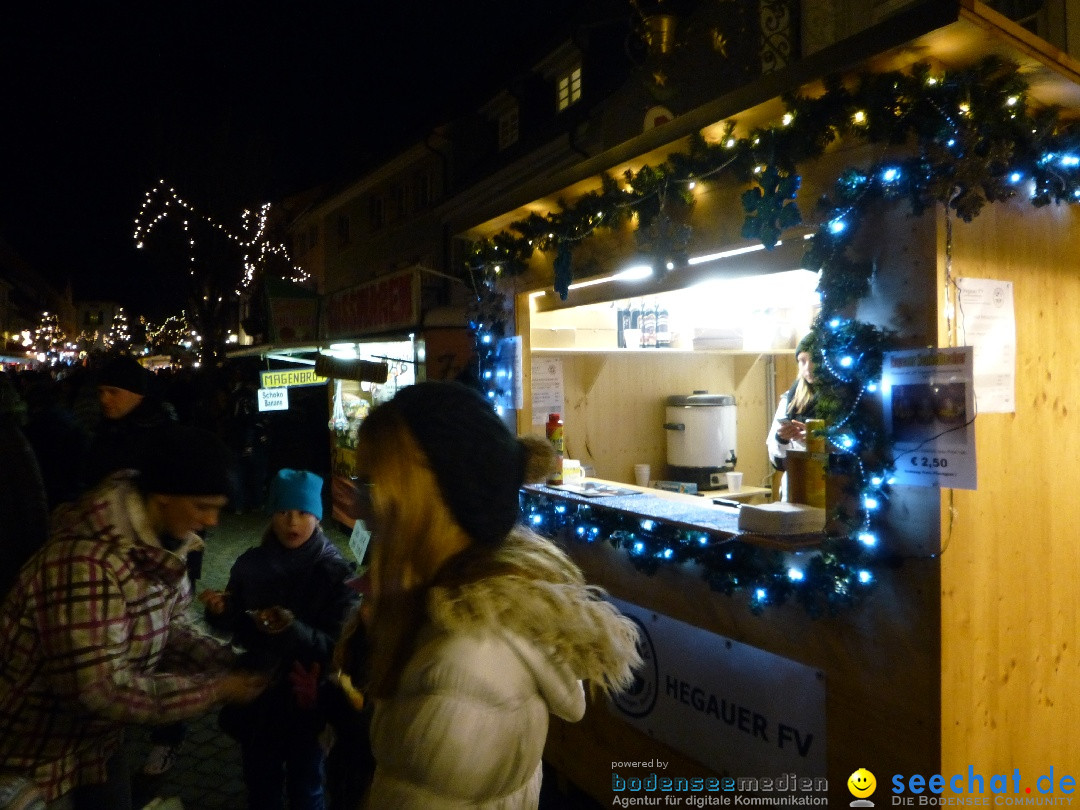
x: 326, y: 365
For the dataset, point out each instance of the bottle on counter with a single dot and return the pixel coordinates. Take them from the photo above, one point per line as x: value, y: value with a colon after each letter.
x: 554, y: 431
x: 648, y: 326
x: 663, y: 327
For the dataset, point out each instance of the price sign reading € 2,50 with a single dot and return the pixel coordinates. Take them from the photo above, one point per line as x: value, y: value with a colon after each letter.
x: 929, y: 404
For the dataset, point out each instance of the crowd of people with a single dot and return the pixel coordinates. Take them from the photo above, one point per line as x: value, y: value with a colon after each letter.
x: 425, y: 680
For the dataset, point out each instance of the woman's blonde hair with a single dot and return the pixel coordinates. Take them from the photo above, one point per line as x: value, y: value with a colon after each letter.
x: 800, y: 400
x: 415, y: 533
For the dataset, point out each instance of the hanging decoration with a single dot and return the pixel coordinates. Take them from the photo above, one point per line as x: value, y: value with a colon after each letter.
x: 829, y: 578
x: 257, y: 245
x: 961, y: 139
x: 487, y: 315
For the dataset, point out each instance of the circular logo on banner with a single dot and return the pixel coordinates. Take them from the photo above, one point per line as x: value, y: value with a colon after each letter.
x: 640, y: 697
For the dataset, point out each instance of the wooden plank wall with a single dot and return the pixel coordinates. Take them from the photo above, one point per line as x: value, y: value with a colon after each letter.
x: 1010, y: 667
x: 615, y: 405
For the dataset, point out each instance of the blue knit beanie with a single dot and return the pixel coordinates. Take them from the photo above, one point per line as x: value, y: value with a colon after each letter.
x: 296, y: 489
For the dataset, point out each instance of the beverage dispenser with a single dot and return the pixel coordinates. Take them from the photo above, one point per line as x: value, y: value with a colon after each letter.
x: 700, y: 430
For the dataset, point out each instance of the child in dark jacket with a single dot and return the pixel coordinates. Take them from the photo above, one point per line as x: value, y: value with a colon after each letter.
x: 285, y: 604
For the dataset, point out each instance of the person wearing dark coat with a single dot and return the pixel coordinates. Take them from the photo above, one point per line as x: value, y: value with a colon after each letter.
x: 285, y: 604
x: 129, y: 416
x: 25, y: 523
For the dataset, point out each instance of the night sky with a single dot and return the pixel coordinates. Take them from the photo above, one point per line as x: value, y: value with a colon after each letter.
x: 233, y: 103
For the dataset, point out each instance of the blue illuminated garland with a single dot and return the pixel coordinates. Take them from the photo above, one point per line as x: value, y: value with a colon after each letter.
x: 968, y: 138
x: 823, y: 579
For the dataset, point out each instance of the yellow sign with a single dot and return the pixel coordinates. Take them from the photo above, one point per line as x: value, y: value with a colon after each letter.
x: 290, y: 378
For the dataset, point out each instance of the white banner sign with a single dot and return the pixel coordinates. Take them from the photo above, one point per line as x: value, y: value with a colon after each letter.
x: 273, y: 399
x: 929, y: 403
x: 734, y: 708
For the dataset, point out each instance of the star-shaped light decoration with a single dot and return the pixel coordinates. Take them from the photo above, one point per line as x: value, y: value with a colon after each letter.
x: 659, y: 78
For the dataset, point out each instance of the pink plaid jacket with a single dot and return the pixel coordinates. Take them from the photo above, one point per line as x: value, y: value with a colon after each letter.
x: 94, y: 636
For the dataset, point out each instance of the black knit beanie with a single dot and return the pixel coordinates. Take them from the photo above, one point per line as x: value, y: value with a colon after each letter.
x: 185, y: 460
x: 806, y: 344
x: 125, y: 372
x: 478, y: 463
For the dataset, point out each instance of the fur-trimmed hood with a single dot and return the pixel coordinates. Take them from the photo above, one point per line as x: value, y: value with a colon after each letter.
x: 530, y: 589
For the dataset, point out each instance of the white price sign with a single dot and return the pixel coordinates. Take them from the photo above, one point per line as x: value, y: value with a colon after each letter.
x: 273, y: 399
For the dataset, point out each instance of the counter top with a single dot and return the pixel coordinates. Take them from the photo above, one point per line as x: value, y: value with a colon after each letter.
x: 688, y: 511
x: 691, y: 512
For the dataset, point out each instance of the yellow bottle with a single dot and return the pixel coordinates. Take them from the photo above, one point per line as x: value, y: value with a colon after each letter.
x: 554, y: 431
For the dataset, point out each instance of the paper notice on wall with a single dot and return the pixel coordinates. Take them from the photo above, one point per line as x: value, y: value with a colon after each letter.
x: 986, y: 321
x: 929, y: 405
x: 547, y: 388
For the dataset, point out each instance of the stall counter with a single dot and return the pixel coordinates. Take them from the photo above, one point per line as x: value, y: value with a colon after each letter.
x: 706, y: 513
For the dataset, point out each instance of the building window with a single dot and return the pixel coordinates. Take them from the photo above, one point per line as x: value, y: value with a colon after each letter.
x: 569, y: 88
x: 377, y: 213
x: 343, y: 230
x: 508, y: 127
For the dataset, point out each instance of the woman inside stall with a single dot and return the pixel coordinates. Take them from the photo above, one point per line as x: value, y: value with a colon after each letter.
x: 797, y: 405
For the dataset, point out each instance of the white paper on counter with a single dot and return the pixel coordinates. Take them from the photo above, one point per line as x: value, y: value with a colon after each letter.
x: 547, y: 388
x: 986, y: 321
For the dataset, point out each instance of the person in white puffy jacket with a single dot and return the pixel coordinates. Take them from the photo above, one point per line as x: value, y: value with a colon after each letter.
x: 478, y: 628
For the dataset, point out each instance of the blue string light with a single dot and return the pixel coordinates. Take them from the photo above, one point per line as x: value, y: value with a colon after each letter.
x: 729, y: 564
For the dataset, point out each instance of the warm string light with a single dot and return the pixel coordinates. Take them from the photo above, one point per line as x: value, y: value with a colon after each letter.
x: 48, y: 342
x: 253, y: 237
x: 174, y: 331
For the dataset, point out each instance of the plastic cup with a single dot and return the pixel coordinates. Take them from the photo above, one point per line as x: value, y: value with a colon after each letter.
x: 734, y: 481
x: 642, y: 474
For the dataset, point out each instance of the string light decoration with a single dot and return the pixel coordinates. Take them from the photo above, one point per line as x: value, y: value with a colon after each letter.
x: 49, y: 341
x: 257, y: 246
x: 965, y: 139
x: 822, y: 581
x: 169, y: 336
x: 119, y: 334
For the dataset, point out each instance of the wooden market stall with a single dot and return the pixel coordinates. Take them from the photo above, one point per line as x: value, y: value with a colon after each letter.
x: 961, y: 657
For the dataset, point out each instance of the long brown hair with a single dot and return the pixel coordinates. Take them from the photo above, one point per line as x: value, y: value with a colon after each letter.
x: 414, y: 533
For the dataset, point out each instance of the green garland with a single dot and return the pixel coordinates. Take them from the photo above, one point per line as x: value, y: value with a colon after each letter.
x: 967, y: 137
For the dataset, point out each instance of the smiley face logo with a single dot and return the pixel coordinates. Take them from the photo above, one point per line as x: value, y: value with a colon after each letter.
x: 862, y: 783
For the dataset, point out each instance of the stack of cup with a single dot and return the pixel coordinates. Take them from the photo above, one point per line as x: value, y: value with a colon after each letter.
x: 642, y: 474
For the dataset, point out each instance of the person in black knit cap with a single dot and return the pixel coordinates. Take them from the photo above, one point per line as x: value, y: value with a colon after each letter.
x: 478, y: 629
x: 131, y: 417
